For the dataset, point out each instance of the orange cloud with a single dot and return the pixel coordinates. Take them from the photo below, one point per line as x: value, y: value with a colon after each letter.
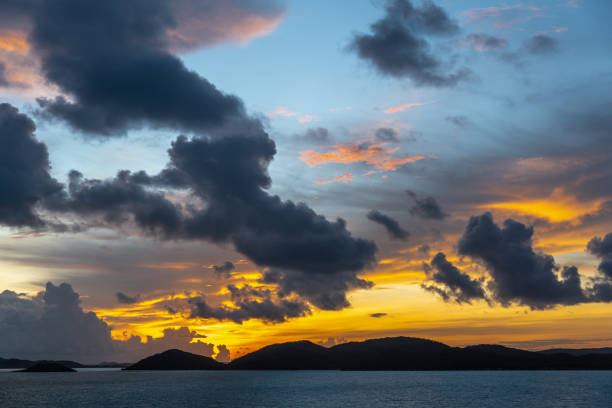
x: 405, y: 106
x: 281, y: 111
x: 345, y: 178
x: 558, y: 207
x: 225, y: 22
x: 14, y: 41
x: 307, y: 118
x: 374, y: 154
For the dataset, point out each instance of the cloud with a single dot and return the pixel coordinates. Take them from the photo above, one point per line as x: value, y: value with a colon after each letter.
x: 399, y: 43
x: 223, y: 170
x: 345, y: 178
x: 317, y: 135
x: 281, y: 111
x: 485, y: 42
x: 223, y: 354
x: 147, y: 84
x: 52, y: 325
x: 251, y: 303
x: 307, y: 118
x: 519, y: 273
x: 602, y: 248
x: 456, y: 285
x: 462, y: 122
x: 541, y: 44
x: 127, y: 300
x: 386, y: 135
x: 426, y: 207
x: 506, y: 15
x: 378, y: 315
x: 224, y: 269
x: 24, y: 170
x: 374, y: 154
x: 391, y: 225
x: 399, y: 108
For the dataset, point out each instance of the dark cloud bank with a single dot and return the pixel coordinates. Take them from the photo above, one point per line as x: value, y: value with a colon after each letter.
x: 518, y: 274
x: 400, y: 44
x: 131, y: 79
x: 52, y: 325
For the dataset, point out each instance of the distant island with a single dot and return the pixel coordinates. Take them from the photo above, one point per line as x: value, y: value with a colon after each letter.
x: 391, y: 353
x: 177, y: 360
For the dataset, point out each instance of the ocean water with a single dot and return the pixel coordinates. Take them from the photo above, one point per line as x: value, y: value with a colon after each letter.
x: 113, y: 388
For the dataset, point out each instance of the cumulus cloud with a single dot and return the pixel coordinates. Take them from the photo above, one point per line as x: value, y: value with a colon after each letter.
x: 131, y: 79
x: 223, y: 354
x: 425, y: 207
x: 399, y: 44
x: 455, y: 285
x: 519, y: 274
x: 147, y: 84
x: 53, y: 325
x: 24, y: 170
x: 392, y: 226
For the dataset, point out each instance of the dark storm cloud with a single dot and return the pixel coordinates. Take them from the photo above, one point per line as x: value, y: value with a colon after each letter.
x: 319, y: 260
x: 398, y: 46
x: 112, y: 60
x: 456, y: 285
x: 541, y: 44
x: 127, y: 300
x: 425, y: 207
x: 317, y: 135
x: 224, y: 269
x: 391, y: 225
x: 251, y: 303
x: 117, y: 201
x: 602, y: 248
x: 519, y: 273
x: 386, y: 135
x: 53, y: 325
x: 485, y: 42
x: 24, y: 170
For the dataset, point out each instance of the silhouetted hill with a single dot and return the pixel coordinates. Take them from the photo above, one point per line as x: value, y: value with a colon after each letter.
x: 177, y: 360
x: 578, y: 352
x: 18, y: 363
x: 406, y: 353
x: 48, y: 368
x: 299, y: 355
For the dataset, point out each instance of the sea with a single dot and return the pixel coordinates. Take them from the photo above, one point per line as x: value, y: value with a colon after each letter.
x: 270, y: 389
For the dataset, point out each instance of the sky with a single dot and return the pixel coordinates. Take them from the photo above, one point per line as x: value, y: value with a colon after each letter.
x: 219, y: 176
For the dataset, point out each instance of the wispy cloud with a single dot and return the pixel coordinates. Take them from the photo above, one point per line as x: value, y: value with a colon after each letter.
x: 374, y: 154
x: 281, y: 111
x: 406, y: 106
x: 506, y: 15
x: 345, y: 178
